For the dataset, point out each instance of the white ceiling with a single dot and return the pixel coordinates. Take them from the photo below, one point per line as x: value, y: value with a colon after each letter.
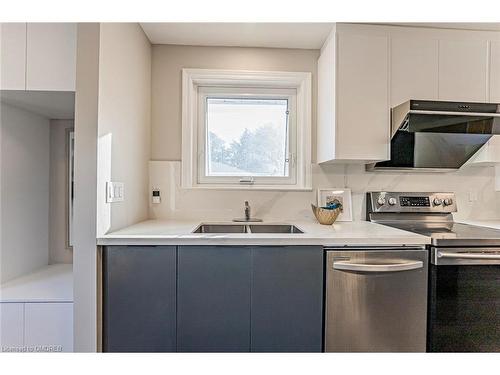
x: 275, y: 35
x: 51, y: 104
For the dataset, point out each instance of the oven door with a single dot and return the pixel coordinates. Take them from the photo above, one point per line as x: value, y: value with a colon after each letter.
x: 464, y: 300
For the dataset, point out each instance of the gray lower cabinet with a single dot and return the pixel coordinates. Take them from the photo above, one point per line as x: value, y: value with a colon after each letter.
x: 213, y: 299
x: 240, y: 299
x: 139, y: 299
x: 287, y: 299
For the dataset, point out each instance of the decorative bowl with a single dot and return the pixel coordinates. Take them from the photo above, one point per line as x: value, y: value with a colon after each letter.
x: 326, y: 216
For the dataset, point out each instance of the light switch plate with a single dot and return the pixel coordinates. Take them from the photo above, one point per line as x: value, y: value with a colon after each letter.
x: 114, y: 192
x: 156, y: 196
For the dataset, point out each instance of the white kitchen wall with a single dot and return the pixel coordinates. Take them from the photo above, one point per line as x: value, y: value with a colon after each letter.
x: 25, y: 159
x: 58, y: 250
x: 168, y: 62
x: 84, y: 247
x: 474, y: 186
x: 124, y: 118
x: 178, y: 203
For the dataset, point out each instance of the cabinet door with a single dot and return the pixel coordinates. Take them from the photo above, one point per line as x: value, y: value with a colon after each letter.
x: 51, y: 56
x: 463, y: 70
x: 11, y: 326
x: 362, y: 122
x: 213, y: 299
x: 49, y: 327
x: 287, y: 299
x: 495, y: 72
x: 139, y: 298
x: 13, y: 56
x: 414, y: 73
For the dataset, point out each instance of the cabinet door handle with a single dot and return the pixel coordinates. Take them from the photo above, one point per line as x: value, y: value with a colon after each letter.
x: 390, y: 267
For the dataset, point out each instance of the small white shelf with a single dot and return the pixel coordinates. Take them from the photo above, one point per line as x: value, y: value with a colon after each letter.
x: 53, y: 283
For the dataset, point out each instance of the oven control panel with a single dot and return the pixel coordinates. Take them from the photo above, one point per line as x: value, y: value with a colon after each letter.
x: 405, y: 201
x: 384, y: 201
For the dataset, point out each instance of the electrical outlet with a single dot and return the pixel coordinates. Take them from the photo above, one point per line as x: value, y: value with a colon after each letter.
x: 115, y: 192
x: 472, y: 196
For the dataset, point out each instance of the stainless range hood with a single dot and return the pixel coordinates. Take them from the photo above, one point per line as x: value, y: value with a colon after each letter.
x: 438, y: 136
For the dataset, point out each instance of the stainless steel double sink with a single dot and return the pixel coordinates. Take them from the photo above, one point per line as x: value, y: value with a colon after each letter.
x: 247, y: 228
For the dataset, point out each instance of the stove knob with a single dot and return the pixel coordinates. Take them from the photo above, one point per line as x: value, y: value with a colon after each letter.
x: 392, y: 201
x: 448, y: 202
x: 437, y: 201
x: 380, y: 200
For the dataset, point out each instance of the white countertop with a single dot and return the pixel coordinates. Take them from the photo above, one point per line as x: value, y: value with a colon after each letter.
x: 495, y: 224
x: 53, y: 283
x: 172, y: 232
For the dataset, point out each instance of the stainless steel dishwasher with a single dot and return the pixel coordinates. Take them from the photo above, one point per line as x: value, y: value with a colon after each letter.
x: 376, y: 299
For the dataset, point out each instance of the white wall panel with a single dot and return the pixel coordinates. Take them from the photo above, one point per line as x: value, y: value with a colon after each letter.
x: 25, y: 161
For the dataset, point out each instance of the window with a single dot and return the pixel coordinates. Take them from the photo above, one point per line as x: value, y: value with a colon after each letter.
x: 246, y: 130
x: 246, y: 136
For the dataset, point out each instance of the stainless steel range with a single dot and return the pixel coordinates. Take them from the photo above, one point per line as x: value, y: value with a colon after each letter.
x: 464, y: 270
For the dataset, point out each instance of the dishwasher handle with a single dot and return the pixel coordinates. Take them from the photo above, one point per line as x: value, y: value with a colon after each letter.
x: 390, y: 267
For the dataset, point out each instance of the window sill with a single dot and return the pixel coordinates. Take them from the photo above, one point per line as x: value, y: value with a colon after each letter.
x: 249, y: 187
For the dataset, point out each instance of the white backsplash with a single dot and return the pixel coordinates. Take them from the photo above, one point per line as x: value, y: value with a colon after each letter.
x: 212, y: 204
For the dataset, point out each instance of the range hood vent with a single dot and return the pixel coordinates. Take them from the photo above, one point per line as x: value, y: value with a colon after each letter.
x: 438, y: 136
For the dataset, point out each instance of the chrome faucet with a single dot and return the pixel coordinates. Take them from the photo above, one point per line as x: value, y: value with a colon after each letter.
x: 247, y: 211
x: 248, y: 215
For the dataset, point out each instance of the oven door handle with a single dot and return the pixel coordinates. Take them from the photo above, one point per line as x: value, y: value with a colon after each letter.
x: 445, y: 254
x: 390, y: 267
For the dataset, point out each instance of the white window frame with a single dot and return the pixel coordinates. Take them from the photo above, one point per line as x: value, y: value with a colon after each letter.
x: 205, y: 92
x: 197, y: 84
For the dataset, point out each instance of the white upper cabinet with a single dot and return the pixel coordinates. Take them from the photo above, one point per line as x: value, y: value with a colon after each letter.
x: 414, y: 72
x: 365, y: 70
x: 489, y: 154
x: 353, y: 98
x: 51, y: 56
x: 463, y: 70
x: 13, y: 56
x: 38, y: 56
x: 495, y: 72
